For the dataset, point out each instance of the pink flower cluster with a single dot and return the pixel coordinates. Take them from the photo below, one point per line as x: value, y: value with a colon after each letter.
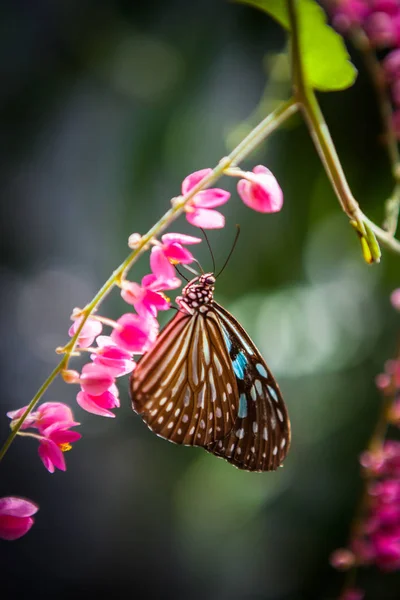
x: 133, y: 333
x: 380, y: 20
x: 258, y: 189
x: 378, y: 540
x: 53, y: 421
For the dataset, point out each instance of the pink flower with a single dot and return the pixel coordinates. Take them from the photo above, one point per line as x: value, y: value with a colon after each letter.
x: 395, y: 299
x: 391, y: 65
x: 172, y: 247
x: 47, y: 414
x: 56, y: 440
x: 95, y: 379
x: 109, y: 356
x: 99, y: 405
x: 198, y: 211
x: 16, y: 517
x: 90, y: 330
x: 261, y: 191
x: 135, y: 333
x: 380, y: 28
x: 147, y: 298
x: 15, y: 416
x: 347, y: 13
x: 352, y: 594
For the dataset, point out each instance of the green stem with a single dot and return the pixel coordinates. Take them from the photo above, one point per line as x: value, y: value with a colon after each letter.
x: 31, y: 406
x: 255, y: 137
x: 321, y: 137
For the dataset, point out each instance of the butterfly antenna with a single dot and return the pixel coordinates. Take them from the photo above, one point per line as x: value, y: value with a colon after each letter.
x: 181, y: 274
x: 232, y: 249
x: 209, y: 247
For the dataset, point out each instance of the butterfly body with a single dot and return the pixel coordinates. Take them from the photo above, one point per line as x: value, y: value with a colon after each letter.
x: 204, y: 383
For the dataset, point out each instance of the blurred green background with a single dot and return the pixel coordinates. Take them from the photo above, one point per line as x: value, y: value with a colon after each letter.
x: 105, y: 107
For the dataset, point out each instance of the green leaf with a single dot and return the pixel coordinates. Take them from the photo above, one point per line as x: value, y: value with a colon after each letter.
x: 325, y: 59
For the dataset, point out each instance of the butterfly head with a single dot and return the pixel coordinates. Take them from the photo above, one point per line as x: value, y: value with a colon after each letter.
x: 197, y: 294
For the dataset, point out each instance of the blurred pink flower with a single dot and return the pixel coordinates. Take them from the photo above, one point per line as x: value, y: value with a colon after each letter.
x: 342, y: 559
x: 381, y: 30
x: 395, y: 299
x: 260, y: 190
x: 90, y: 330
x: 135, y: 333
x: 16, y: 517
x: 352, y: 594
x: 100, y: 405
x: 56, y: 439
x: 109, y: 356
x: 198, y: 211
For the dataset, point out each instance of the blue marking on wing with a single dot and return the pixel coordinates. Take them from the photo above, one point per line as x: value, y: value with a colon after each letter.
x: 273, y: 393
x: 239, y: 365
x: 227, y: 339
x: 261, y: 369
x: 242, y: 406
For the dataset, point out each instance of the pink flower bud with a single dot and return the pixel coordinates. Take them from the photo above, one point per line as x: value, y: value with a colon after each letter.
x: 261, y: 191
x: 70, y: 376
x: 16, y: 517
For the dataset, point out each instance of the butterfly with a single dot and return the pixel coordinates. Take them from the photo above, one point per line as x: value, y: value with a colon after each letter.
x: 204, y: 383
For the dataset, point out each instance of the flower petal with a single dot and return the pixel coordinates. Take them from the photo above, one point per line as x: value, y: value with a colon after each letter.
x: 95, y: 379
x: 178, y: 254
x: 193, y: 179
x: 12, y: 528
x: 179, y: 238
x: 97, y: 405
x: 135, y: 333
x: 208, y: 219
x: 90, y: 330
x: 210, y: 198
x: 51, y: 455
x: 160, y: 265
x: 17, y: 507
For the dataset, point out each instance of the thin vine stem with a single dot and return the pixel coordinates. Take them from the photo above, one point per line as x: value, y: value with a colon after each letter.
x: 242, y: 150
x: 377, y: 76
x: 322, y: 139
